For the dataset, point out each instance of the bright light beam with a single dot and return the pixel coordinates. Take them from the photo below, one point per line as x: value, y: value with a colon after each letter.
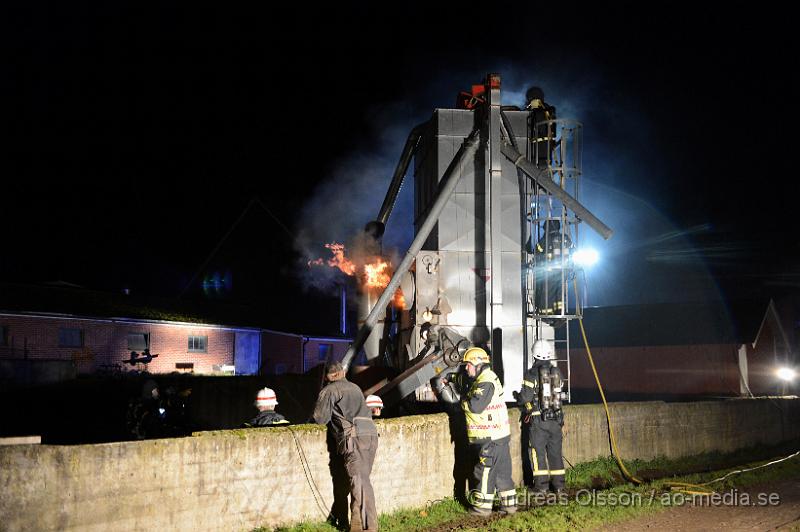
x: 786, y: 374
x: 586, y: 257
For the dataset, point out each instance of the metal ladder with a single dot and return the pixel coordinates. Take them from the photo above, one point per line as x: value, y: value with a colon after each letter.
x: 563, y: 167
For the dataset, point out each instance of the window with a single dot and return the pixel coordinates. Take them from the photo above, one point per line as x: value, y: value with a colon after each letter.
x: 3, y: 335
x: 198, y: 344
x: 324, y: 352
x: 70, y: 337
x: 138, y: 341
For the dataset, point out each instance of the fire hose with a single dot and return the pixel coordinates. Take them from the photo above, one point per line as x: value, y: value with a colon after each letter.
x: 684, y: 487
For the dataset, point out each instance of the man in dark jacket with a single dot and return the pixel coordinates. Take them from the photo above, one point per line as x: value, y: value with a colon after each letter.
x: 266, y: 400
x: 342, y: 407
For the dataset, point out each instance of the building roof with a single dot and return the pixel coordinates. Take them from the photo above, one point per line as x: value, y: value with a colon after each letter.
x: 73, y: 300
x: 671, y: 324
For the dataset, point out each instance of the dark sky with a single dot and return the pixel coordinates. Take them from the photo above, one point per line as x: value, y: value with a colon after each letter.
x: 136, y: 136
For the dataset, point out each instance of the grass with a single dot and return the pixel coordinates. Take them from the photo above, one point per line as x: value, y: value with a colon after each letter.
x: 588, y: 507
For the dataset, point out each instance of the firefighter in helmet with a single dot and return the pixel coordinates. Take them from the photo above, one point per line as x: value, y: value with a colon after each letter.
x: 552, y: 267
x: 480, y: 395
x: 375, y: 404
x: 542, y: 130
x: 266, y: 400
x: 540, y: 402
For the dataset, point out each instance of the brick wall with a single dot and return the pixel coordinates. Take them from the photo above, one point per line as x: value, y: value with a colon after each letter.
x: 312, y: 352
x: 678, y: 370
x: 281, y: 353
x: 243, y: 479
x: 291, y: 353
x: 106, y: 342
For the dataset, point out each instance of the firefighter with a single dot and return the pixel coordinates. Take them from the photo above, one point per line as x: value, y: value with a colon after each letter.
x: 542, y: 133
x: 145, y: 414
x: 551, y: 263
x: 266, y: 400
x: 540, y: 402
x: 375, y: 404
x: 488, y: 431
x: 342, y: 407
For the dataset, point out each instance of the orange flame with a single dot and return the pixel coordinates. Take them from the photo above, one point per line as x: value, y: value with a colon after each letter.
x: 399, y: 299
x: 338, y: 260
x: 376, y: 274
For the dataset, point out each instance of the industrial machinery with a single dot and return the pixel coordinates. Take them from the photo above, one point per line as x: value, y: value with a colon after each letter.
x: 497, y: 217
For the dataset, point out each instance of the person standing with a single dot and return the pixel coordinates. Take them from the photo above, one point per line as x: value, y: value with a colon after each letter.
x: 266, y: 400
x: 341, y: 406
x: 541, y: 126
x: 488, y: 432
x: 552, y: 268
x: 540, y: 402
x: 375, y: 405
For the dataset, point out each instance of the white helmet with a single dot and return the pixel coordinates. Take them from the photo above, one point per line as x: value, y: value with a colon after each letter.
x: 543, y: 350
x: 373, y: 401
x: 266, y: 397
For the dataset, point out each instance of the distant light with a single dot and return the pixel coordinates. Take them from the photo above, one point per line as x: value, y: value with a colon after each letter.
x: 786, y: 374
x: 586, y: 257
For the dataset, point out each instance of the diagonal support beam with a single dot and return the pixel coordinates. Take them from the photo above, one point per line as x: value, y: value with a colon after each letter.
x: 447, y: 185
x: 543, y: 180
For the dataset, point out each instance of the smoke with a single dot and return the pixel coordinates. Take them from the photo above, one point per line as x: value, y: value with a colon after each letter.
x: 625, y: 177
x: 351, y: 196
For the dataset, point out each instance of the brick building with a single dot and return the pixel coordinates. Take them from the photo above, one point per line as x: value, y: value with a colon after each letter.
x: 64, y: 330
x: 684, y: 350
x: 95, y: 344
x: 295, y: 353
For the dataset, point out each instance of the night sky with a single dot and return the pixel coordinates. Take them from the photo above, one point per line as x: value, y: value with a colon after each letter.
x: 137, y: 136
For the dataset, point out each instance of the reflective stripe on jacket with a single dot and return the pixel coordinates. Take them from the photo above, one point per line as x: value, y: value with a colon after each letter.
x: 492, y: 422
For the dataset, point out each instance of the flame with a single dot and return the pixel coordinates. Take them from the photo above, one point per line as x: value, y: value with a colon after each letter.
x: 375, y: 274
x: 338, y: 260
x: 399, y: 299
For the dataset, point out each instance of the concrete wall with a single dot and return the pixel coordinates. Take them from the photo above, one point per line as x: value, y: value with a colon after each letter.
x: 238, y: 480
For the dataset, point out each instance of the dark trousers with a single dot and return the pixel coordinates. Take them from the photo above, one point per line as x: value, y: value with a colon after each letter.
x: 492, y: 473
x: 548, y: 292
x: 338, y: 516
x: 359, y: 455
x: 545, y: 440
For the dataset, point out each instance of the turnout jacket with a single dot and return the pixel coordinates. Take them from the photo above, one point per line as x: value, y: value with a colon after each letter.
x: 485, y: 408
x: 528, y: 398
x: 266, y: 419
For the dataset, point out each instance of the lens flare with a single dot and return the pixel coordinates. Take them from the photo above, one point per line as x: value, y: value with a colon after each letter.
x: 585, y: 257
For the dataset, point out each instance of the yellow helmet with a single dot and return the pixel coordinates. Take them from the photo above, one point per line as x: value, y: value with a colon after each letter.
x: 476, y: 356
